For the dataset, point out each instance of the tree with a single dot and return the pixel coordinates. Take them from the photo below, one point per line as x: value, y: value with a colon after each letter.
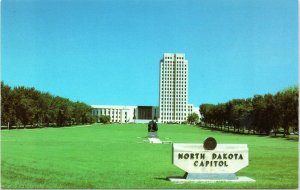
x: 63, y: 115
x: 206, y: 112
x: 237, y: 112
x: 262, y: 113
x: 220, y: 115
x: 271, y: 114
x: 241, y: 114
x: 25, y: 106
x: 258, y: 113
x: 104, y: 119
x: 29, y: 106
x: 287, y: 105
x: 193, y: 118
x: 7, y: 108
x: 44, y: 103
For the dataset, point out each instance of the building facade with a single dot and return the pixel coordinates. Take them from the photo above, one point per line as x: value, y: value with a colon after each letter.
x: 118, y: 114
x: 126, y: 114
x: 173, y: 88
x: 147, y: 112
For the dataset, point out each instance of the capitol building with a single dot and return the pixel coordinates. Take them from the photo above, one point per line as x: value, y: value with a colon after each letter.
x: 173, y: 97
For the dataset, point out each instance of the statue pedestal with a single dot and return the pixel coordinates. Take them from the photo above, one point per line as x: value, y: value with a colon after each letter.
x: 152, y: 134
x: 155, y: 140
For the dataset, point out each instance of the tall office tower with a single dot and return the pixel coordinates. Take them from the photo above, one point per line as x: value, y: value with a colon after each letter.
x: 173, y: 92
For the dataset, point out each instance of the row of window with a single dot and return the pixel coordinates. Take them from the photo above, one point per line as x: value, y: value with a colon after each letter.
x: 172, y: 114
x: 172, y: 72
x: 172, y: 93
x: 179, y: 101
x: 172, y: 106
x: 172, y: 89
x: 176, y: 118
x: 169, y: 106
x: 177, y: 84
x: 162, y: 88
x: 180, y: 78
x: 173, y: 98
x: 173, y: 62
x: 166, y: 102
x: 170, y: 76
x: 177, y: 95
x: 178, y: 104
x: 177, y: 74
x: 172, y: 81
x: 172, y: 85
x: 183, y: 108
x: 181, y: 89
x: 172, y: 57
x: 108, y: 112
x: 171, y: 109
x: 118, y: 117
x: 173, y: 77
x: 164, y: 110
x: 172, y: 69
x: 171, y: 66
x: 171, y: 103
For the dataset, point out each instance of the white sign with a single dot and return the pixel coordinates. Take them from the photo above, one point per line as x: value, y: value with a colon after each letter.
x: 225, y: 158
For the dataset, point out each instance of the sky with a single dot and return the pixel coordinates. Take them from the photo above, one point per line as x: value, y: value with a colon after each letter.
x: 107, y: 52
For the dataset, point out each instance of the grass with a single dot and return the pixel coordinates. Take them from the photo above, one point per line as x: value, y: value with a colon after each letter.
x: 116, y: 156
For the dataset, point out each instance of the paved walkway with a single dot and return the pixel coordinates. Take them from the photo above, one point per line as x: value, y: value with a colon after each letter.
x: 155, y: 140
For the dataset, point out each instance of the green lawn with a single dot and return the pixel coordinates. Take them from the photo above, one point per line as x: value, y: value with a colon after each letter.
x: 116, y: 156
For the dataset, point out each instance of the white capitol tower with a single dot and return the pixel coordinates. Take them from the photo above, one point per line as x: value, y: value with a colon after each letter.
x: 173, y: 88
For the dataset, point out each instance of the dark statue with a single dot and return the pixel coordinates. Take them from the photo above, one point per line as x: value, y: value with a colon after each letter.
x: 152, y: 126
x: 152, y: 129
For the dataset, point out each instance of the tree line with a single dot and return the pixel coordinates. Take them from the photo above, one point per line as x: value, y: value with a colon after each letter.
x: 262, y: 114
x: 21, y: 106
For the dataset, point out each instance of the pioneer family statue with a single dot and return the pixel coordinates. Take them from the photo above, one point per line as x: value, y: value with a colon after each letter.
x: 152, y: 129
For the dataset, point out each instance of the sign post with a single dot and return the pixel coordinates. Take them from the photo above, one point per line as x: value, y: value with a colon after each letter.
x: 210, y: 161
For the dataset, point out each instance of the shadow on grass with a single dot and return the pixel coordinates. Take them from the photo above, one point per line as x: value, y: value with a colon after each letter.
x: 293, y: 138
x: 42, y: 127
x: 288, y: 138
x: 277, y: 137
x: 162, y: 178
x: 226, y: 131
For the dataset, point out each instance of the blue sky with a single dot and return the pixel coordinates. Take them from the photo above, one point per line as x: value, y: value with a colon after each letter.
x: 108, y: 51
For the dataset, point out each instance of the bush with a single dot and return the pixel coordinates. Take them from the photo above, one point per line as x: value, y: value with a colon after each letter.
x: 104, y: 119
